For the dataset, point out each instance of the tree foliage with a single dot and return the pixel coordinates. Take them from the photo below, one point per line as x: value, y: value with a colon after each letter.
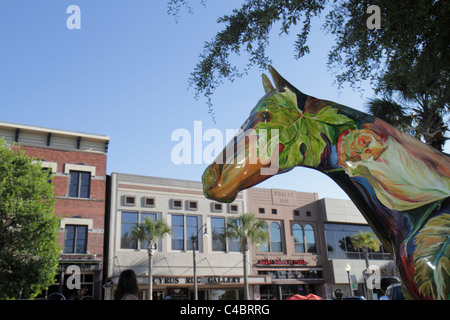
x: 28, y: 228
x: 249, y: 230
x: 409, y: 56
x: 150, y: 231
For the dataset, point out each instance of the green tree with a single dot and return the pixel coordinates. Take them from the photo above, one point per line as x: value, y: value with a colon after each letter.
x: 28, y: 228
x: 249, y: 230
x: 365, y: 241
x: 150, y: 231
x: 408, y: 55
x: 425, y: 121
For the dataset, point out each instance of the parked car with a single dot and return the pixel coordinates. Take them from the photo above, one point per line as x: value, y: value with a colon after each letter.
x: 393, y: 292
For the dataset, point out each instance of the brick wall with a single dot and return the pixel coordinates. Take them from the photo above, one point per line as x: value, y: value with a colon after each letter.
x: 65, y: 207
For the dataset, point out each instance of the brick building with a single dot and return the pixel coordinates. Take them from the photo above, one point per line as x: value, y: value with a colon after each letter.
x: 78, y: 163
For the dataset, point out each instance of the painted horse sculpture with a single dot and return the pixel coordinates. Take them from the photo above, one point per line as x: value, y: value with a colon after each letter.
x: 399, y: 184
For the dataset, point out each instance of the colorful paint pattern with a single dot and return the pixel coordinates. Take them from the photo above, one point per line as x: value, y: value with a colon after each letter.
x: 399, y: 184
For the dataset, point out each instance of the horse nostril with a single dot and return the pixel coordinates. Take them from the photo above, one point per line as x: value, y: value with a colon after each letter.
x: 210, y: 176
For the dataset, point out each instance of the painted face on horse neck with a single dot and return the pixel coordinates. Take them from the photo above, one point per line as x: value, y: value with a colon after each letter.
x: 258, y: 150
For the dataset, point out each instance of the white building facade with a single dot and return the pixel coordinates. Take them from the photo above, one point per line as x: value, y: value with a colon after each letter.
x: 182, y: 205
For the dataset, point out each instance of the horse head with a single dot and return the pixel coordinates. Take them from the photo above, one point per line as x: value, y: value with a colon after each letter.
x: 263, y: 145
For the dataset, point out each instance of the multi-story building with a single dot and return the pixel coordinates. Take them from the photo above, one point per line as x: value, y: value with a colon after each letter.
x: 78, y: 163
x: 294, y: 256
x: 182, y: 205
x: 341, y: 220
x: 309, y: 250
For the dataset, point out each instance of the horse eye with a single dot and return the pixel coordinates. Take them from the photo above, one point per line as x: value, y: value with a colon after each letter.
x: 265, y: 115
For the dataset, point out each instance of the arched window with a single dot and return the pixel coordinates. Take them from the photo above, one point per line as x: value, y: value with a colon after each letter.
x: 297, y: 231
x: 310, y: 239
x: 275, y: 237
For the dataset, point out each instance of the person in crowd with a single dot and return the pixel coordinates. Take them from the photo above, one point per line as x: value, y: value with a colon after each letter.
x: 127, y: 287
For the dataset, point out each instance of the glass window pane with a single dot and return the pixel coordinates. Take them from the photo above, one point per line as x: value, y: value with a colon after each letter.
x: 129, y: 220
x: 85, y: 184
x: 191, y: 231
x: 218, y: 234
x: 177, y: 232
x: 275, y: 237
x: 310, y: 239
x: 234, y: 244
x: 265, y: 246
x: 73, y: 186
x: 297, y: 231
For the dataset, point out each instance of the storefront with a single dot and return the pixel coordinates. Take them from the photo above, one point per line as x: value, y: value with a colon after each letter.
x: 77, y: 280
x: 288, y: 277
x: 209, y: 287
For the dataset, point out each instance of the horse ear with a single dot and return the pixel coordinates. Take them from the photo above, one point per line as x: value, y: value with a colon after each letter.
x: 268, y: 87
x: 281, y: 84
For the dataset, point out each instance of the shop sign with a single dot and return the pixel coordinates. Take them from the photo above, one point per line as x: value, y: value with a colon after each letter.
x: 280, y: 262
x: 190, y: 280
x: 84, y: 266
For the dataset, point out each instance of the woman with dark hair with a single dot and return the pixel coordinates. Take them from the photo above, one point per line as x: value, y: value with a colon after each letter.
x: 127, y: 287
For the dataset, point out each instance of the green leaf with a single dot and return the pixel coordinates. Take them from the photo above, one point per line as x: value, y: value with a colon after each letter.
x: 432, y: 258
x: 311, y: 126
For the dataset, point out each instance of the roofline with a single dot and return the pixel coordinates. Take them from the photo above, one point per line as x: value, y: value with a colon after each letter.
x: 54, y: 131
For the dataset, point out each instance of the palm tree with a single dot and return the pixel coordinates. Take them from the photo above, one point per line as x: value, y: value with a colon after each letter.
x: 393, y: 113
x: 150, y: 231
x: 249, y: 230
x: 365, y: 241
x: 427, y: 120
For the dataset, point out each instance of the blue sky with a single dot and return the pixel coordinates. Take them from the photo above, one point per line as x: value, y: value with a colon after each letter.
x: 125, y: 74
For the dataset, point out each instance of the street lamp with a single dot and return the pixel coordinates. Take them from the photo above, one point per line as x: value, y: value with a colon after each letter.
x: 194, y: 239
x: 348, y: 268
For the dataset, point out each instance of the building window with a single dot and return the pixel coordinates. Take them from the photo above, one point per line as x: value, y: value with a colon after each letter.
x: 130, y: 200
x: 261, y: 210
x: 217, y: 207
x: 339, y: 244
x: 234, y: 208
x: 149, y: 202
x: 310, y: 239
x: 218, y: 234
x: 264, y: 247
x: 234, y: 244
x: 297, y: 231
x: 191, y: 231
x: 177, y: 204
x: 192, y: 205
x: 75, y: 239
x: 274, y: 211
x: 275, y: 237
x: 129, y: 220
x: 80, y: 184
x: 177, y: 232
x: 308, y: 213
